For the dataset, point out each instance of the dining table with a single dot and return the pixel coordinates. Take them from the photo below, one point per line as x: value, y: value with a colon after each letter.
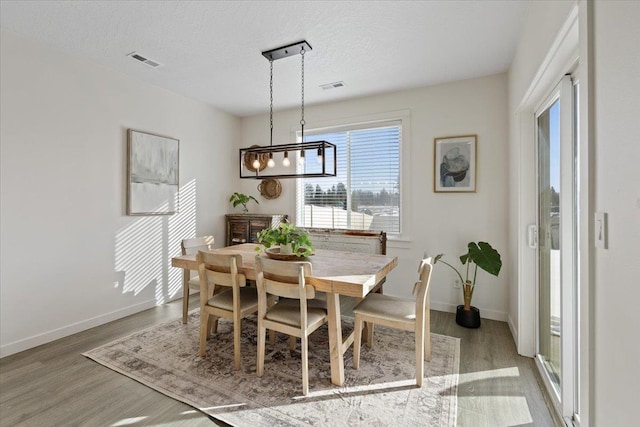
x: 335, y: 273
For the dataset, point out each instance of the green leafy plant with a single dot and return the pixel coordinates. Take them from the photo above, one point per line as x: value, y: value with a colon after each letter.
x: 286, y: 234
x: 242, y: 199
x: 481, y: 255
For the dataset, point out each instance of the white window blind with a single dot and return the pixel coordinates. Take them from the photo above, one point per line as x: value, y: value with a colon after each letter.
x: 365, y: 194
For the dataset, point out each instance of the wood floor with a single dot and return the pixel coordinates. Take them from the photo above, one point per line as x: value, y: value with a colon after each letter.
x: 54, y: 385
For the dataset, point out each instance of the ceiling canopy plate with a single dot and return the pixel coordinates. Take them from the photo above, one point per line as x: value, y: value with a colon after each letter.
x: 288, y: 50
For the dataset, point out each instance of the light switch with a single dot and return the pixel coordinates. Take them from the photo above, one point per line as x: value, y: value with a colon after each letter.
x: 601, y: 232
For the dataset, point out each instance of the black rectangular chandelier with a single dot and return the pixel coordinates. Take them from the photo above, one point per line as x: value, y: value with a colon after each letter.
x: 302, y: 160
x: 299, y: 160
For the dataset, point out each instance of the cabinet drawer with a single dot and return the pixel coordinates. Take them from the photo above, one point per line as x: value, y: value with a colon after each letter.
x: 238, y: 232
x: 255, y: 227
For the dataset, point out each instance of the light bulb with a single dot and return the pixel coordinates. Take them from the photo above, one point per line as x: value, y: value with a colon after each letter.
x: 302, y: 157
x: 256, y: 163
x: 271, y: 163
x: 285, y: 161
x: 319, y: 156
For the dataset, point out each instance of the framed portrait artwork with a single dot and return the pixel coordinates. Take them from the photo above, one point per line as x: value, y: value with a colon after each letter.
x: 152, y: 174
x: 455, y: 164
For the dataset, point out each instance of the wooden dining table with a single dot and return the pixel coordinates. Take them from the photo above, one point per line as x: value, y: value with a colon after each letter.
x: 336, y: 273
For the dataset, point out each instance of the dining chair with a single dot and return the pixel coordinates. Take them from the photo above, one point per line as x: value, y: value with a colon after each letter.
x: 235, y: 302
x: 400, y: 313
x: 190, y: 247
x: 293, y: 314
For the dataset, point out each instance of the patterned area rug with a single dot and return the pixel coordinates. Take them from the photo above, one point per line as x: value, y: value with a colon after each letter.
x: 381, y: 392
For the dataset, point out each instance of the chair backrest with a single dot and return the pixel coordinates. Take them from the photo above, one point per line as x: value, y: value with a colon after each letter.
x: 421, y: 287
x: 195, y: 244
x: 285, y: 279
x: 279, y: 277
x: 220, y: 269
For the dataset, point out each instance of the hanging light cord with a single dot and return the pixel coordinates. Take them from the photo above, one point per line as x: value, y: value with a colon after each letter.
x: 271, y: 103
x: 302, y: 122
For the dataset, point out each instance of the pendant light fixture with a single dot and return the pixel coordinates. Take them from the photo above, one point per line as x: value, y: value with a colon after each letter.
x: 260, y: 162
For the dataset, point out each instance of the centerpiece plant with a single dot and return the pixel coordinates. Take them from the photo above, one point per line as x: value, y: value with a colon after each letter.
x: 290, y: 239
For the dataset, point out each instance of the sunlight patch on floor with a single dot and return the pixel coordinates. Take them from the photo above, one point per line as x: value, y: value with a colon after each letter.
x: 333, y: 391
x: 128, y: 421
x: 513, y: 410
x: 480, y: 391
x: 213, y: 408
x: 494, y: 373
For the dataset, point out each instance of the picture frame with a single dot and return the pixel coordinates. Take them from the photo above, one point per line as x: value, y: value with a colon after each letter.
x: 152, y: 174
x: 455, y: 162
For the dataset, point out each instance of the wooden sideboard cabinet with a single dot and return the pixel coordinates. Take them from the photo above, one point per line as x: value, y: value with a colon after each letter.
x: 244, y: 228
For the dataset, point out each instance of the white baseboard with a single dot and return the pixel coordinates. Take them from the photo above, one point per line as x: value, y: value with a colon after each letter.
x: 484, y: 313
x: 43, y: 338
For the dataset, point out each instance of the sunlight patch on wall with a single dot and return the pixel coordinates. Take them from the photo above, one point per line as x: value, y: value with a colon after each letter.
x: 144, y: 248
x: 138, y: 254
x: 181, y: 226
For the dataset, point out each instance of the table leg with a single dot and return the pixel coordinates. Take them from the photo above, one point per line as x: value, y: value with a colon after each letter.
x: 335, y: 339
x: 186, y: 275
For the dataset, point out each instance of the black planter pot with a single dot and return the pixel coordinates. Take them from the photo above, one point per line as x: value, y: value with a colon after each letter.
x: 468, y: 319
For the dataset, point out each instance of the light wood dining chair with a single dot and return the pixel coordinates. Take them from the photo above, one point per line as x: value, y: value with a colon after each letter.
x: 191, y: 247
x: 234, y: 303
x: 291, y: 314
x: 400, y: 313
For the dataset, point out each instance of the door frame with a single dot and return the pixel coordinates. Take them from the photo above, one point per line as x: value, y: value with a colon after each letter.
x: 563, y: 399
x: 573, y: 41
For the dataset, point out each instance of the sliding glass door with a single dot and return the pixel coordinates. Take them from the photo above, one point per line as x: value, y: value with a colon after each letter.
x: 549, y: 314
x: 557, y: 247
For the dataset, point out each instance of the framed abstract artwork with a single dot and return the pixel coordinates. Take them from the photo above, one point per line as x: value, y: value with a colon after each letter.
x: 455, y: 164
x: 152, y: 174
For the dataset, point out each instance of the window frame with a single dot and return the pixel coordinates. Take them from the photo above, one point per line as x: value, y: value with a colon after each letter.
x: 402, y: 119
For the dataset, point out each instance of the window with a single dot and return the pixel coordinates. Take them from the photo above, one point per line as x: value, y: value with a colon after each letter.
x: 365, y: 194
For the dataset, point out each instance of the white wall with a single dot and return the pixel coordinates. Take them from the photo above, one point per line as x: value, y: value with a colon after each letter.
x: 71, y: 259
x: 616, y: 68
x: 544, y: 21
x: 612, y: 353
x: 436, y: 222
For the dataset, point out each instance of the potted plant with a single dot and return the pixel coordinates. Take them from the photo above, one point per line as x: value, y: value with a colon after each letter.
x: 242, y: 199
x: 291, y: 240
x: 481, y: 255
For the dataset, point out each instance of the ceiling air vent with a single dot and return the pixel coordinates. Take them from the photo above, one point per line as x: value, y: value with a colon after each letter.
x: 149, y: 62
x: 332, y: 85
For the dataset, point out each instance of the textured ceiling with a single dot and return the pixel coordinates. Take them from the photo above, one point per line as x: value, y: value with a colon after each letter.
x: 210, y: 50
